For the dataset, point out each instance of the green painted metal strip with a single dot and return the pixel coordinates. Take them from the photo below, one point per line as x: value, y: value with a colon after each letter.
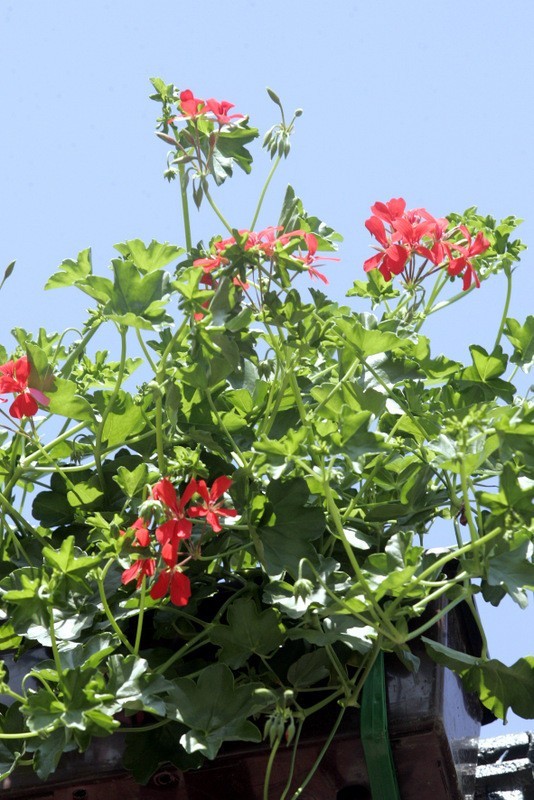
x: 375, y: 736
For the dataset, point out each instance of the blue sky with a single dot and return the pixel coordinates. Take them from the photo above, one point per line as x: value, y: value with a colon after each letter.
x: 430, y: 101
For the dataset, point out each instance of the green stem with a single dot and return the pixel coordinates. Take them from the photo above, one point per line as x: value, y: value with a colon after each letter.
x: 29, y: 734
x: 435, y: 619
x: 215, y: 207
x: 369, y: 595
x: 185, y: 207
x: 334, y: 660
x: 139, y: 631
x: 80, y: 347
x: 144, y: 728
x: 293, y: 760
x: 107, y: 610
x: 442, y: 562
x: 508, y: 273
x: 109, y: 407
x: 55, y: 653
x: 237, y: 452
x: 263, y: 191
x: 180, y: 332
x: 321, y: 755
x: 145, y: 351
x: 467, y: 506
x: 441, y: 280
x: 474, y: 610
x: 159, y: 433
x: 269, y: 768
x: 19, y: 519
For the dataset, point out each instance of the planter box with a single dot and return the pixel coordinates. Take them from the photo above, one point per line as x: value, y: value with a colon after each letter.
x: 433, y: 726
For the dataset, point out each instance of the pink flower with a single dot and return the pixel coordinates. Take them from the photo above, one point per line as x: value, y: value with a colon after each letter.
x: 220, y: 111
x: 212, y: 507
x: 14, y: 378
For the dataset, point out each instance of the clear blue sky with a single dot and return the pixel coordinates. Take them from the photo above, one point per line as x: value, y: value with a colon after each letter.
x: 436, y: 101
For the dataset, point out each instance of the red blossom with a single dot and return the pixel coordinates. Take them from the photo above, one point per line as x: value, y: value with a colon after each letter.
x: 390, y: 211
x: 140, y: 568
x: 220, y: 111
x: 210, y: 263
x: 463, y: 262
x: 415, y: 232
x: 14, y: 378
x: 190, y: 105
x: 311, y: 257
x: 177, y: 527
x: 142, y: 534
x: 212, y: 507
x: 174, y: 580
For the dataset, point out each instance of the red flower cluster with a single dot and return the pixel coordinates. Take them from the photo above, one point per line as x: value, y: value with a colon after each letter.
x: 191, y: 106
x: 176, y: 527
x: 267, y: 244
x: 404, y: 234
x: 14, y: 377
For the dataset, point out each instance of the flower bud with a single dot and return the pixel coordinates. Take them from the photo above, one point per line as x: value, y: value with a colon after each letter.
x: 302, y: 588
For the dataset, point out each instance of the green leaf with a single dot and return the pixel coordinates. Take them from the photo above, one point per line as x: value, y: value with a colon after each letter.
x: 148, y: 259
x: 69, y: 559
x: 71, y: 272
x: 135, y: 687
x: 230, y: 149
x: 514, y: 572
x: 498, y: 686
x: 138, y: 300
x: 7, y: 272
x: 11, y: 750
x: 248, y: 631
x: 123, y: 421
x: 522, y: 338
x: 216, y: 710
x: 52, y: 509
x: 132, y: 481
x: 367, y: 341
x: 290, y: 527
x: 47, y: 753
x: 145, y: 752
x: 66, y: 402
x: 309, y: 669
x: 488, y: 366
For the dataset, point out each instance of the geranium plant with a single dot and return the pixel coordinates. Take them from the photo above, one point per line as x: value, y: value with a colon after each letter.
x: 213, y: 525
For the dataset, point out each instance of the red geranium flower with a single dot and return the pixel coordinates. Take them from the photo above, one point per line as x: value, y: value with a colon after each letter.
x: 312, y: 258
x: 389, y: 211
x: 212, y: 508
x: 140, y: 568
x: 210, y: 263
x: 220, y: 111
x: 14, y: 378
x: 173, y: 579
x: 458, y: 264
x: 177, y: 527
x: 392, y: 257
x: 190, y: 105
